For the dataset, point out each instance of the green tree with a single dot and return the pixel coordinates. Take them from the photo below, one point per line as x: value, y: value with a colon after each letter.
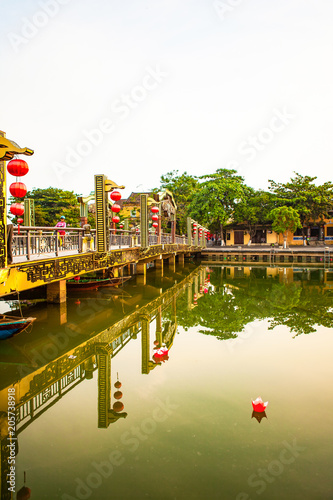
x: 51, y: 203
x: 311, y: 202
x: 253, y: 209
x: 285, y: 219
x: 215, y: 200
x: 183, y: 188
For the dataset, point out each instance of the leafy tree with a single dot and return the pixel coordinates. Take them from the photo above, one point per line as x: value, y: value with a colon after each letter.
x: 253, y: 209
x: 51, y: 203
x: 285, y: 219
x: 215, y: 200
x: 183, y: 188
x: 311, y: 202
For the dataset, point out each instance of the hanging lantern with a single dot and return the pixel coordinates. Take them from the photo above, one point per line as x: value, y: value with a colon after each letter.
x: 155, y: 224
x: 117, y: 384
x: 77, y: 278
x: 115, y: 196
x: 17, y: 167
x: 118, y: 395
x: 154, y: 218
x: 118, y: 406
x: 194, y: 224
x: 18, y: 189
x: 121, y: 226
x: 155, y: 210
x: 17, y: 209
x: 115, y: 219
x: 115, y: 208
x: 19, y: 221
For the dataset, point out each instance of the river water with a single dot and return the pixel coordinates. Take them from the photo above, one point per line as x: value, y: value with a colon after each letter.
x: 180, y: 425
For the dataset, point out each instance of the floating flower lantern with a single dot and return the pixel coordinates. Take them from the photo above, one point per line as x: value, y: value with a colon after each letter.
x: 259, y: 415
x: 258, y: 405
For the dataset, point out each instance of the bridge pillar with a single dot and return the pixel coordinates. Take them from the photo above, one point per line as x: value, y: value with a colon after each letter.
x: 145, y: 346
x: 159, y: 326
x: 159, y: 263
x: 172, y: 262
x: 144, y: 221
x: 102, y: 233
x: 189, y: 231
x: 181, y: 259
x: 56, y: 292
x: 141, y: 271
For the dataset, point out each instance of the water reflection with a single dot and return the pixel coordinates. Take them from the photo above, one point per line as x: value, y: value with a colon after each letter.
x: 70, y: 343
x: 300, y: 299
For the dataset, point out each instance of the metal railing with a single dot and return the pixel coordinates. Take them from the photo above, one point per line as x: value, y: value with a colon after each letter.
x: 38, y: 241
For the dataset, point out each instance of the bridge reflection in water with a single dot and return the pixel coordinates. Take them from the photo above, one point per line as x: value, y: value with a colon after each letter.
x: 225, y: 354
x: 41, y: 382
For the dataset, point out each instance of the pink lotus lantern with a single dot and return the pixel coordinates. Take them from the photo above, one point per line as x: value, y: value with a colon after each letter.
x: 259, y: 405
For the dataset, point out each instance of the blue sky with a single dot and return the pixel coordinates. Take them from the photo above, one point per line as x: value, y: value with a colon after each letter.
x: 134, y: 89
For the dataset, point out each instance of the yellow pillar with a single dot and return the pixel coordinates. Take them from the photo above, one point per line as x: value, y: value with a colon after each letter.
x: 172, y: 262
x: 56, y: 292
x: 181, y: 259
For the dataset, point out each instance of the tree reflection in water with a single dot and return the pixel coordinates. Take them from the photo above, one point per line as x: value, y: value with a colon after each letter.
x: 300, y: 300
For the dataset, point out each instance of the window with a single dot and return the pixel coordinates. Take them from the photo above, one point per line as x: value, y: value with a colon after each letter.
x: 329, y: 230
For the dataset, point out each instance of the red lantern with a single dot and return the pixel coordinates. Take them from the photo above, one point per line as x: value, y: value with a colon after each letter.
x: 117, y: 384
x: 115, y: 196
x: 19, y: 221
x: 115, y: 219
x: 118, y: 406
x: 155, y: 210
x: 121, y: 226
x: 194, y: 225
x: 155, y: 224
x: 18, y: 189
x: 115, y: 208
x: 118, y: 395
x: 17, y: 209
x: 17, y: 167
x: 77, y: 278
x: 154, y: 217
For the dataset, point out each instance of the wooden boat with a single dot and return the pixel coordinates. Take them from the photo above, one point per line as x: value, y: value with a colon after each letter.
x: 11, y: 325
x: 93, y: 284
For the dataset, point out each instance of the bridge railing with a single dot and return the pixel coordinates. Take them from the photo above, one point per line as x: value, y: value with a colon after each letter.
x: 33, y: 241
x: 39, y: 240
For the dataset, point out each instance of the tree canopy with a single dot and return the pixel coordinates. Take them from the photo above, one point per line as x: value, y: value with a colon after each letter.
x: 214, y: 202
x: 51, y: 203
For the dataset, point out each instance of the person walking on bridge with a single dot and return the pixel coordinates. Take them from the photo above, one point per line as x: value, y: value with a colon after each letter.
x: 61, y: 234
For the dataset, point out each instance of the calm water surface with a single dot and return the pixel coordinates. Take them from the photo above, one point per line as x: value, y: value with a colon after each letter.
x: 183, y: 427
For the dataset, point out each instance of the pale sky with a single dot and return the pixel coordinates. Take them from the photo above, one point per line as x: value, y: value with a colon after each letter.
x: 190, y: 85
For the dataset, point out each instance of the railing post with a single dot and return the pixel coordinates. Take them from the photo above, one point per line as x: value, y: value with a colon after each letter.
x: 28, y: 245
x: 56, y: 244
